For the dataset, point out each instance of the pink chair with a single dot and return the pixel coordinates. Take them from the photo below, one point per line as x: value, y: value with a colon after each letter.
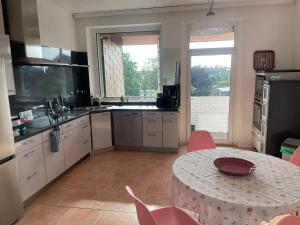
x: 289, y: 220
x: 296, y: 157
x: 162, y: 216
x: 200, y: 140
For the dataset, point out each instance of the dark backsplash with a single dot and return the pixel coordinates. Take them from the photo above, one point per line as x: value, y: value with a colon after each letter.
x: 35, y: 85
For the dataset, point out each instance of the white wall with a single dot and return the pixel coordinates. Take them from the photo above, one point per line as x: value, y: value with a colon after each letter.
x: 57, y: 26
x: 297, y: 36
x: 261, y: 27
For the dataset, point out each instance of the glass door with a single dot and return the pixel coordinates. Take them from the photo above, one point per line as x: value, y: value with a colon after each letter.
x: 211, y: 86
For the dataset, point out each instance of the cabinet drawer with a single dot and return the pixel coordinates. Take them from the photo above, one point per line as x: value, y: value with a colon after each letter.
x: 70, y: 125
x: 170, y: 115
x: 152, y: 125
x: 30, y: 160
x: 32, y: 183
x: 84, y: 119
x: 152, y: 115
x: 85, y: 132
x: 28, y: 143
x: 46, y: 134
x: 85, y: 147
x: 152, y: 139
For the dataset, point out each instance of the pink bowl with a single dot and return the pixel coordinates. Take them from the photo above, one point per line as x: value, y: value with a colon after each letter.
x: 234, y: 166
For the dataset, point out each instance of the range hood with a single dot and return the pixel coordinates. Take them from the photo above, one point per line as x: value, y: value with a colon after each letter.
x: 23, y: 28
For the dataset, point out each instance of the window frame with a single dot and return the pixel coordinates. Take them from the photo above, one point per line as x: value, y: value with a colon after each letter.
x: 101, y: 67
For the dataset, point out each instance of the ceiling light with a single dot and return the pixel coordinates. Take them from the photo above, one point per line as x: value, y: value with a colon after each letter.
x: 211, y: 5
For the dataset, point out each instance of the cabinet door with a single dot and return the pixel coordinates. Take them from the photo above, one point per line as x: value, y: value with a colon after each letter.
x: 101, y: 130
x: 170, y: 130
x: 85, y: 147
x: 71, y: 144
x: 54, y: 161
x: 152, y: 125
x: 5, y: 52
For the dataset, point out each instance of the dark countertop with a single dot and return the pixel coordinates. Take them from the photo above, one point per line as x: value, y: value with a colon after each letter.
x: 42, y: 123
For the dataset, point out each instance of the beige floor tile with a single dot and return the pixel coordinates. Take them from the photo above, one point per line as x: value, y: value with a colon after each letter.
x: 76, y: 216
x: 117, y: 218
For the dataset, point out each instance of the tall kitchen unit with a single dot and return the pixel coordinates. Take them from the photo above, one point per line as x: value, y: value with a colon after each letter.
x: 276, y: 109
x: 11, y: 206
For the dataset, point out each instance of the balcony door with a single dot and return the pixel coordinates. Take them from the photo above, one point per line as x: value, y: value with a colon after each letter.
x: 210, y: 88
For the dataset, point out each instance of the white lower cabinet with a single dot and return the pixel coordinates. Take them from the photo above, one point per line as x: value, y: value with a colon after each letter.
x: 101, y: 130
x: 54, y: 161
x: 152, y: 140
x: 31, y: 166
x: 71, y: 147
x: 85, y: 139
x: 170, y: 129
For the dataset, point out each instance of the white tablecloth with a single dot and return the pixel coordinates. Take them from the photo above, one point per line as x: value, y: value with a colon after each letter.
x: 273, y: 189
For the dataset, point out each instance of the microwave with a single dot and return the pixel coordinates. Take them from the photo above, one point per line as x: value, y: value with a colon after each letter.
x: 259, y: 84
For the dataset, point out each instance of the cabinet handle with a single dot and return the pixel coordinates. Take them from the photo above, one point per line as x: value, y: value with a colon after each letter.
x: 151, y: 135
x: 28, y: 154
x: 85, y: 141
x: 85, y: 126
x: 30, y: 177
x: 66, y: 135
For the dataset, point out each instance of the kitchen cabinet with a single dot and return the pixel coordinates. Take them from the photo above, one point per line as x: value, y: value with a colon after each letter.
x: 128, y: 131
x: 31, y: 166
x: 152, y: 129
x: 71, y: 147
x: 5, y: 52
x: 54, y: 161
x: 85, y: 137
x: 101, y: 130
x: 170, y: 129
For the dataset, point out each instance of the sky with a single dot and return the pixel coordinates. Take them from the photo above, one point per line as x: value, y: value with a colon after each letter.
x: 140, y: 53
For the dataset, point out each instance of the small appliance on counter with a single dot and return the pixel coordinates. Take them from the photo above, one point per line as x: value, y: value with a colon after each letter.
x: 170, y: 98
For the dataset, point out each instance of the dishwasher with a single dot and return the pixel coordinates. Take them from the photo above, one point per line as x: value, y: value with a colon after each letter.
x: 128, y: 129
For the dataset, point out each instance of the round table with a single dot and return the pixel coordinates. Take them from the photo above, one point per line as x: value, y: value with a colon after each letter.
x: 272, y: 189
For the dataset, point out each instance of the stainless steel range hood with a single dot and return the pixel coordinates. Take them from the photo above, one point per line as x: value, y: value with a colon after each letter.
x: 23, y: 26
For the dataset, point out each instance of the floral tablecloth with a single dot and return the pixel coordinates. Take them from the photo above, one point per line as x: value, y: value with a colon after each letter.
x: 273, y: 189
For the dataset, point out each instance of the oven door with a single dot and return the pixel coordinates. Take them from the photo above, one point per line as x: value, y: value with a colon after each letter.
x: 257, y: 116
x: 265, y: 112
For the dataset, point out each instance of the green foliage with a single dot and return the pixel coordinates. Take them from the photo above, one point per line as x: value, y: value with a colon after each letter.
x: 146, y: 79
x: 206, y: 80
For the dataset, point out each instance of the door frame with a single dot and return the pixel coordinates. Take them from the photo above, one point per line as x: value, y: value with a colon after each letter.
x: 214, y: 51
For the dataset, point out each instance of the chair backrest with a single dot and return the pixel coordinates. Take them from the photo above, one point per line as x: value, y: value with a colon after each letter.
x: 143, y: 213
x: 295, y: 159
x: 200, y: 140
x: 289, y: 220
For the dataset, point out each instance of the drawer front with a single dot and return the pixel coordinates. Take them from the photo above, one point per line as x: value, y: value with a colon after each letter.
x: 170, y: 115
x: 152, y: 115
x: 152, y: 139
x: 33, y: 182
x: 54, y: 161
x: 70, y: 125
x: 85, y: 131
x: 85, y: 147
x: 84, y: 119
x: 46, y: 134
x: 30, y: 160
x: 152, y: 125
x: 28, y: 143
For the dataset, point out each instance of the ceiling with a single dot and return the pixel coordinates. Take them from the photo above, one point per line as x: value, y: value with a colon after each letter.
x: 80, y: 6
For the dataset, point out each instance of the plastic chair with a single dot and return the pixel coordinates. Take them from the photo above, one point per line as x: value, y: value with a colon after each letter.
x: 295, y: 159
x: 162, y: 216
x: 200, y: 140
x: 289, y: 220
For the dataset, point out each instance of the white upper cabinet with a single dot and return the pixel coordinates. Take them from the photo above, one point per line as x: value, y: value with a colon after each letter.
x: 5, y: 53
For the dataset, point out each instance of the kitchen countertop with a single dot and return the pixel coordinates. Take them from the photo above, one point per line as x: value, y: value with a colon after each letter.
x: 41, y: 124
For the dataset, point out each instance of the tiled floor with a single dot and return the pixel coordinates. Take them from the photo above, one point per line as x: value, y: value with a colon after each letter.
x: 93, y: 192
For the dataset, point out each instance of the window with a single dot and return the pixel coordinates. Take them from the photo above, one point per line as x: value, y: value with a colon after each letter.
x: 130, y: 64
